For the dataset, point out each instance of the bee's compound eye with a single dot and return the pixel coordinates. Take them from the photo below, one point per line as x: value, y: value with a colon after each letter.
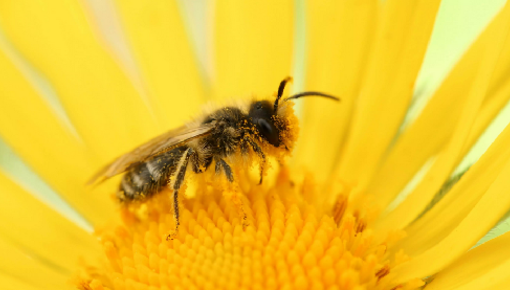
x: 265, y: 127
x: 269, y: 132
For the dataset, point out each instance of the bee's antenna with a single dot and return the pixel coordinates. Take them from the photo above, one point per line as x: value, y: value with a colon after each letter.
x: 281, y: 87
x: 318, y: 94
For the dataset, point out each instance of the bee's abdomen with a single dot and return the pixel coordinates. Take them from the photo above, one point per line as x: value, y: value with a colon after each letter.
x: 150, y: 177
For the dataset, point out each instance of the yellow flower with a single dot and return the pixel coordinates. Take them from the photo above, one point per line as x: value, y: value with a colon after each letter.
x: 84, y: 81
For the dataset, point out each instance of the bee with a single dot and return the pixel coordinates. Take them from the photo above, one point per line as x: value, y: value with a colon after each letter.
x: 259, y: 126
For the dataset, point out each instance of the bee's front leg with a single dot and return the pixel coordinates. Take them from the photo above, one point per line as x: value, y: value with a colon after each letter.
x: 256, y: 148
x: 221, y: 165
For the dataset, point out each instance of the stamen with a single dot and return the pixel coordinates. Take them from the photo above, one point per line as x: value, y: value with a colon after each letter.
x: 245, y: 237
x: 385, y: 270
x: 339, y: 209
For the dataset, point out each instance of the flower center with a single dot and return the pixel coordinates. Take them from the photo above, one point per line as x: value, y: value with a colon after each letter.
x: 250, y: 238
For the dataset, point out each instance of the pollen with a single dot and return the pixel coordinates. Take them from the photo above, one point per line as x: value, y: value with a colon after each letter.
x: 249, y: 237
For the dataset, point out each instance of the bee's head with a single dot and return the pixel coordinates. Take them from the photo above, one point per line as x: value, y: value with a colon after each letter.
x: 263, y: 117
x: 278, y: 124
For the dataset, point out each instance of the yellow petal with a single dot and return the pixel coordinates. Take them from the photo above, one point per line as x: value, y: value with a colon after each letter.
x: 335, y: 68
x: 416, y: 202
x: 438, y: 222
x: 51, y: 148
x: 7, y: 282
x: 21, y: 271
x: 427, y: 135
x: 480, y: 264
x: 162, y: 49
x: 491, y: 207
x: 101, y: 102
x: 495, y: 101
x: 496, y: 279
x: 253, y: 46
x: 397, y: 54
x: 40, y: 231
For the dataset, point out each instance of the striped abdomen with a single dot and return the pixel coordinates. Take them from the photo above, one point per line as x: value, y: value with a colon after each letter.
x: 151, y: 176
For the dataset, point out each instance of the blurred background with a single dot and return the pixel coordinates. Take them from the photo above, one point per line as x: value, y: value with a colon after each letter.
x: 457, y: 25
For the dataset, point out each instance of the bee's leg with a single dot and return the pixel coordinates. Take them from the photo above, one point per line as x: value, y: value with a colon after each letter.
x: 261, y: 155
x: 179, y: 179
x: 222, y: 165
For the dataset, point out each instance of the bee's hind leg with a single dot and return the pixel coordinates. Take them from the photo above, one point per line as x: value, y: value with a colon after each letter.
x: 221, y: 165
x: 179, y: 180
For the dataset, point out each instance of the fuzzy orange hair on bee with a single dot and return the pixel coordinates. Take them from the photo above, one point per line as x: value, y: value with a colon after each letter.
x: 262, y: 127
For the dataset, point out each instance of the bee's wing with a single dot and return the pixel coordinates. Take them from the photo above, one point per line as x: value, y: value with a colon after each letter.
x: 156, y: 146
